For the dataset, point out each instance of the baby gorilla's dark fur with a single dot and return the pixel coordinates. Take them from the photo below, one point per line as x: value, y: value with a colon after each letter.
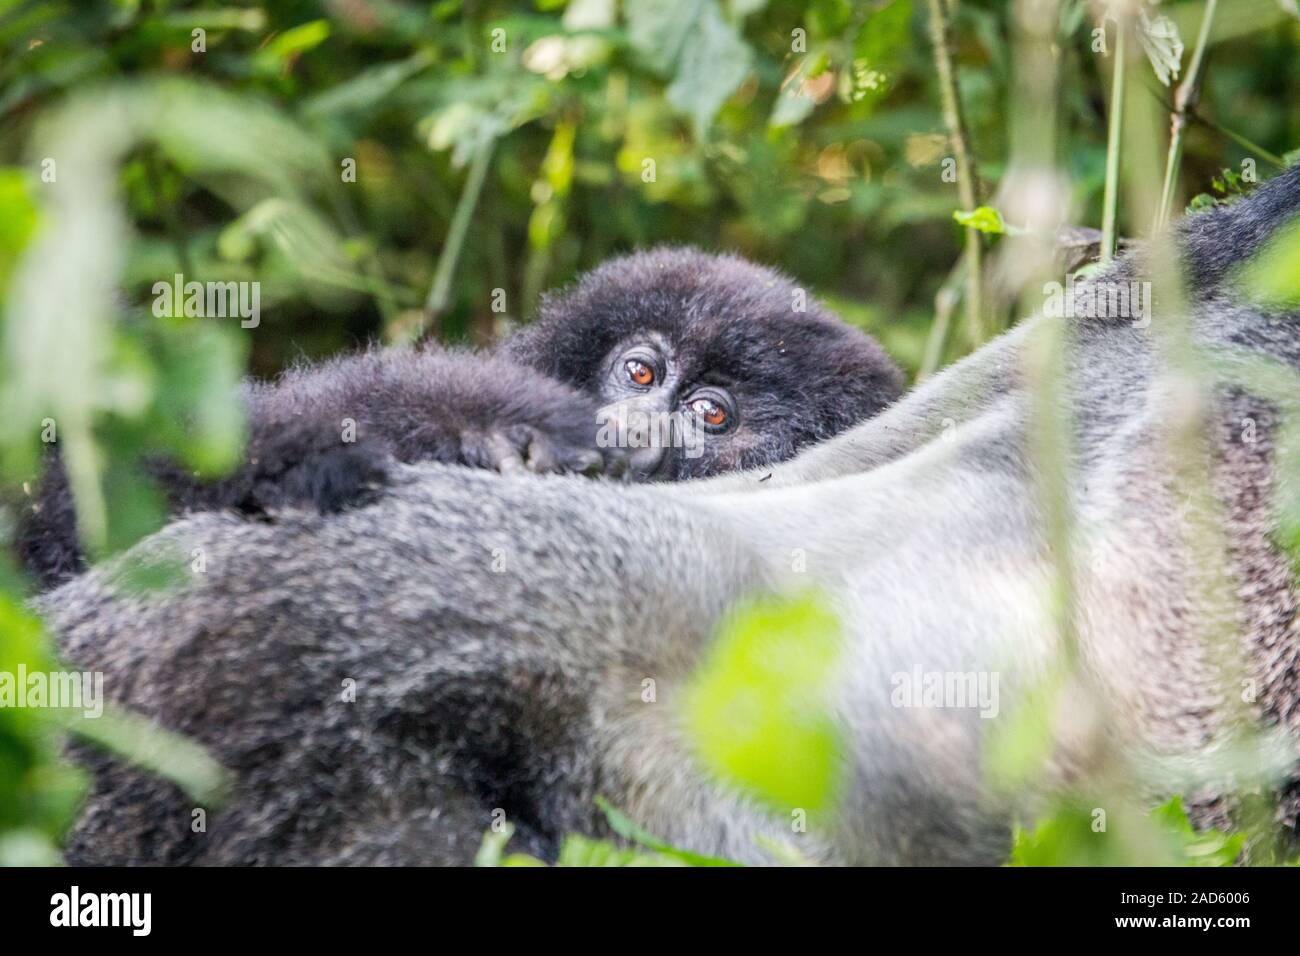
x: 711, y: 329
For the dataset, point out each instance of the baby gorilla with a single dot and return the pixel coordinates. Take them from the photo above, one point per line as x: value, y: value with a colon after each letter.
x: 669, y: 364
x: 757, y: 365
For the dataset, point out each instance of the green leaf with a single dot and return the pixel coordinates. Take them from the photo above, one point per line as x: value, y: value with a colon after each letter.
x: 1020, y: 746
x: 792, y: 107
x: 59, y: 289
x: 882, y: 40
x: 984, y: 218
x: 793, y: 104
x: 144, y: 744
x: 579, y: 850
x: 367, y: 88
x: 625, y: 827
x: 1198, y: 847
x: 38, y: 794
x: 492, y: 849
x: 289, y: 45
x: 1163, y: 45
x: 1075, y: 835
x: 576, y: 850
x: 758, y: 710
x: 17, y: 219
x: 1272, y: 276
x: 658, y: 31
x: 691, y: 40
x: 714, y: 63
x: 589, y: 15
x: 28, y: 847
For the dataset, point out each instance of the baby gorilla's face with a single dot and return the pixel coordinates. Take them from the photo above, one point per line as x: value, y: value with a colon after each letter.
x: 672, y: 418
x: 706, y: 363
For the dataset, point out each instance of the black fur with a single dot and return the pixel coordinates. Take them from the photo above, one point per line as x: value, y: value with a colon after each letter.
x: 796, y: 377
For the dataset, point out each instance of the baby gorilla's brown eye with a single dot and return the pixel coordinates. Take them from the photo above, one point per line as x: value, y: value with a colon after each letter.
x: 710, y: 411
x: 639, y: 372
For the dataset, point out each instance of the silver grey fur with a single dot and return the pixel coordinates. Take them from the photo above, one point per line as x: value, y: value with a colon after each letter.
x: 522, y: 689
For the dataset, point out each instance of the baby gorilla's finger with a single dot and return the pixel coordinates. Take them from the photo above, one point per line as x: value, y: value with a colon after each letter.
x: 545, y: 457
x: 542, y: 456
x: 504, y: 453
x: 618, y: 465
x: 588, y: 462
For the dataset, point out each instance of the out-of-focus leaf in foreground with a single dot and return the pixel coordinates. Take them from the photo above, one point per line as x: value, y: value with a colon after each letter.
x: 66, y: 367
x: 1080, y: 836
x: 758, y: 709
x: 1272, y: 276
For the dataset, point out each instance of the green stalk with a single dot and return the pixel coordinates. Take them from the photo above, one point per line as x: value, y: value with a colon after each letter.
x: 440, y: 292
x: 1184, y: 96
x: 1243, y: 142
x: 1114, y: 138
x: 945, y: 300
x: 967, y: 178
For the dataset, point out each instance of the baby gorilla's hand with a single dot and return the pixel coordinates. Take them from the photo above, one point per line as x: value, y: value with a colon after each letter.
x: 518, y: 448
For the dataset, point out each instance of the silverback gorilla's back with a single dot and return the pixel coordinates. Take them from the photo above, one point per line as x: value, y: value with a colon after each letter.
x: 481, y: 685
x: 475, y: 688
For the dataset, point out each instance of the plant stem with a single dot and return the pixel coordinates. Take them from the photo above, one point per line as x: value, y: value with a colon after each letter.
x: 378, y: 287
x: 945, y: 300
x: 1114, y: 136
x: 1184, y: 96
x: 440, y: 292
x: 1242, y: 141
x: 967, y: 178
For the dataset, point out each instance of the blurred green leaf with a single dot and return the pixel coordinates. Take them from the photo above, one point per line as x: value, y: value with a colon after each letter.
x: 758, y: 709
x: 1083, y: 836
x: 1272, y: 276
x: 984, y: 218
x: 62, y: 288
x: 368, y: 87
x: 625, y: 827
x: 18, y: 217
x: 144, y: 744
x: 575, y: 850
x: 38, y: 793
x: 694, y: 42
x: 879, y: 50
x: 289, y: 45
x: 1163, y: 45
x: 578, y: 850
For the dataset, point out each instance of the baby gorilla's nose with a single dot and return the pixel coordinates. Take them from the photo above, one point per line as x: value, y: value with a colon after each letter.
x: 642, y: 429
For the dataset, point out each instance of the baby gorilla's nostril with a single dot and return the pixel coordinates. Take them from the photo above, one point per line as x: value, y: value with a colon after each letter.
x: 627, y: 425
x: 645, y: 432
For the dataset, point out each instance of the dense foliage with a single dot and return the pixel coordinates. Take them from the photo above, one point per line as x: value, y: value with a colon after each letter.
x: 392, y: 168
